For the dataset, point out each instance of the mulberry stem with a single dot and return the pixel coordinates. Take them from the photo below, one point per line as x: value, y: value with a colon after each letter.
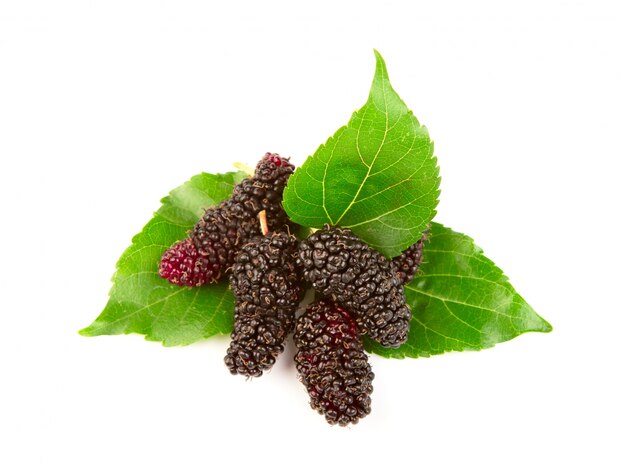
x: 263, y: 223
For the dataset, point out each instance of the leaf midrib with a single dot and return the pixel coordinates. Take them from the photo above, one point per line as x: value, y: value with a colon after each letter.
x: 358, y: 148
x: 443, y: 299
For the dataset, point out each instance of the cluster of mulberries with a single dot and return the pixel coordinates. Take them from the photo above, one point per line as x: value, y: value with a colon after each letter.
x: 359, y: 291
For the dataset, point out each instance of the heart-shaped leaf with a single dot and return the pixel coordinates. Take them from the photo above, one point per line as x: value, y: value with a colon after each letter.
x: 377, y: 175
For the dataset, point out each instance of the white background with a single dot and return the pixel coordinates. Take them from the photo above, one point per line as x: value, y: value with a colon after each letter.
x: 106, y: 106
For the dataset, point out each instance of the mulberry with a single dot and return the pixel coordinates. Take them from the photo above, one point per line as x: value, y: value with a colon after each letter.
x: 218, y: 234
x: 409, y: 261
x: 184, y: 266
x: 342, y: 267
x: 222, y: 229
x: 332, y: 363
x: 267, y: 289
x: 263, y: 192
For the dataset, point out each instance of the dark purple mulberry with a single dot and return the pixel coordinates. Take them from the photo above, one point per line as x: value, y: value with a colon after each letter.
x: 264, y: 192
x: 218, y: 234
x: 342, y: 267
x: 409, y: 261
x: 332, y: 363
x: 223, y: 229
x: 267, y: 288
x: 184, y: 266
x: 274, y: 169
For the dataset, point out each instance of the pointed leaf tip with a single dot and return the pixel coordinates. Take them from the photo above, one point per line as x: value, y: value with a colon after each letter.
x: 461, y: 301
x: 377, y: 175
x: 547, y: 326
x: 381, y: 67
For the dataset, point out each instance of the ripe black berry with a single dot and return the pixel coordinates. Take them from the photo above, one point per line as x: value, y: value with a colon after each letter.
x: 264, y: 191
x: 332, y: 363
x: 342, y: 267
x: 267, y: 288
x: 409, y: 261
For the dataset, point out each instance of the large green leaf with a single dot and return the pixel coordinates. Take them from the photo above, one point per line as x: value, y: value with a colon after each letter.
x: 462, y: 301
x: 141, y: 302
x: 377, y: 175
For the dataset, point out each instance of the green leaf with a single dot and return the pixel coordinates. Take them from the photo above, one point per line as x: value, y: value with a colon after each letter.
x: 461, y: 302
x: 377, y: 175
x: 141, y: 302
